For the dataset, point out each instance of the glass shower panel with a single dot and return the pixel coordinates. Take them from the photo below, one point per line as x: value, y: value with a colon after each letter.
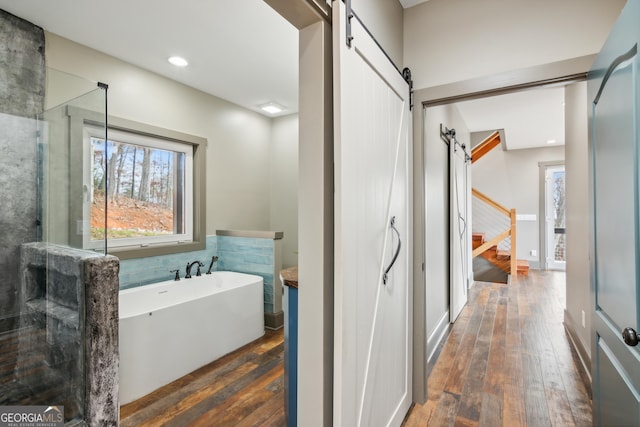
x: 18, y: 193
x: 65, y: 150
x: 50, y: 365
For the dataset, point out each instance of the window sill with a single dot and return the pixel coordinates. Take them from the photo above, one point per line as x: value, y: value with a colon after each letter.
x: 157, y: 250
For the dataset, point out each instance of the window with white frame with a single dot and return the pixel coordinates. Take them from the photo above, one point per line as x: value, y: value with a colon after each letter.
x: 144, y: 185
x: 148, y: 185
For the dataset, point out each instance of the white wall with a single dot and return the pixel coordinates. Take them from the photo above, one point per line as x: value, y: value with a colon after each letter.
x: 512, y: 178
x: 384, y: 18
x: 448, y: 41
x: 577, y: 214
x: 437, y: 212
x: 284, y: 185
x: 238, y: 151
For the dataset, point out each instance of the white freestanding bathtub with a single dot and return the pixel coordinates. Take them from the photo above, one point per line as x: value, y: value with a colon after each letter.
x: 171, y: 328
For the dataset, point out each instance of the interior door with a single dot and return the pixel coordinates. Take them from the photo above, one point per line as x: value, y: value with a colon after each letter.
x: 614, y: 96
x: 373, y: 309
x: 460, y: 246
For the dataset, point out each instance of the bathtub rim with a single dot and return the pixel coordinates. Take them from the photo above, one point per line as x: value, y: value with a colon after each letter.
x: 250, y: 280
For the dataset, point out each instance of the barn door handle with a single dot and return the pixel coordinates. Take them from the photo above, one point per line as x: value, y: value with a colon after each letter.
x: 630, y: 337
x: 395, y: 256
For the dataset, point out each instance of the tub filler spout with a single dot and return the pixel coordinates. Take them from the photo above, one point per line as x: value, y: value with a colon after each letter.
x: 190, y: 265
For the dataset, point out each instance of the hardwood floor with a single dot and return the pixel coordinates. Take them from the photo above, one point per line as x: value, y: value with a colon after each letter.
x: 244, y: 388
x: 508, y: 362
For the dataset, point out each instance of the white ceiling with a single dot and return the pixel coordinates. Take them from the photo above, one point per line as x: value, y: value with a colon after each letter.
x: 409, y: 3
x: 529, y: 119
x: 246, y: 53
x: 239, y: 50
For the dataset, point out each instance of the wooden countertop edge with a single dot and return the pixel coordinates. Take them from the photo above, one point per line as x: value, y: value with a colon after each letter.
x: 290, y: 277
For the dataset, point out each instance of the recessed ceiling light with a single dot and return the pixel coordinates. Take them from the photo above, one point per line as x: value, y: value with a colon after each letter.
x: 272, y: 108
x: 178, y: 61
x: 551, y: 141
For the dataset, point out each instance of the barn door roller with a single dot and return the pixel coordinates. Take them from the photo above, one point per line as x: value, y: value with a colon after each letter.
x: 347, y: 4
x: 405, y: 73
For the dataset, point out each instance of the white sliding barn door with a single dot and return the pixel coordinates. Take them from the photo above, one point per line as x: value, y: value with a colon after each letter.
x: 372, y: 371
x: 460, y: 221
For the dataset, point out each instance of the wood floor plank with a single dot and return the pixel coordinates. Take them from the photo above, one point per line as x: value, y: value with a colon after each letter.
x: 491, y: 410
x: 241, y: 403
x: 549, y: 363
x: 444, y: 364
x: 176, y: 391
x: 460, y: 365
x: 513, y: 407
x: 213, y: 383
x: 260, y: 416
x: 206, y: 401
x: 471, y: 397
x: 464, y: 422
x: 559, y: 408
x: 277, y: 419
x: 446, y: 410
x: 184, y: 399
x: 494, y: 381
x: 528, y: 375
x: 537, y: 411
x: 577, y: 393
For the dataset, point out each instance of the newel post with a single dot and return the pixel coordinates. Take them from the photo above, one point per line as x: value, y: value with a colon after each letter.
x: 514, y: 260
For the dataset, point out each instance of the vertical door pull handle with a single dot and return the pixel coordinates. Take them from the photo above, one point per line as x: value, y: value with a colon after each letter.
x: 395, y: 256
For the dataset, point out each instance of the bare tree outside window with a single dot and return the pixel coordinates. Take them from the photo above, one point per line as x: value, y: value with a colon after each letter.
x: 559, y: 202
x: 140, y: 183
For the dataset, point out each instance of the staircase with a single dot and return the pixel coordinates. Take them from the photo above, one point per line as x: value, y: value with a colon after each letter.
x: 499, y: 257
x: 480, y: 150
x: 494, y: 238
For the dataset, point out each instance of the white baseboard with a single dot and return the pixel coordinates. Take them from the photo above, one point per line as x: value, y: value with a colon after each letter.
x: 437, y: 337
x: 576, y: 343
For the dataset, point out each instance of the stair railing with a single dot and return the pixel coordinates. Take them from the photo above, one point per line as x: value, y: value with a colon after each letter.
x: 497, y: 223
x: 489, y: 143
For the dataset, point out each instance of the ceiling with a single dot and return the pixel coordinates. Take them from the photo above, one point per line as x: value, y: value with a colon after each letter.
x: 409, y: 3
x: 239, y: 50
x: 530, y: 119
x: 246, y: 53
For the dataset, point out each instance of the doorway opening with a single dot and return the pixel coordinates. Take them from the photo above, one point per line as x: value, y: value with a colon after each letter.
x: 553, y: 238
x: 509, y: 175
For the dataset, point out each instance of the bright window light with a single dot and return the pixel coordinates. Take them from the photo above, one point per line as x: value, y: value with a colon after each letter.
x: 149, y: 194
x: 178, y: 61
x: 272, y: 108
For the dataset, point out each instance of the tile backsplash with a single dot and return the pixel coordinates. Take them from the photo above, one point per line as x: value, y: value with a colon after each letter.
x: 252, y: 255
x: 143, y: 271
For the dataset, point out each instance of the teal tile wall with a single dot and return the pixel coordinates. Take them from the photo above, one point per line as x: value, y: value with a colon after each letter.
x: 249, y: 255
x: 241, y: 254
x: 143, y: 271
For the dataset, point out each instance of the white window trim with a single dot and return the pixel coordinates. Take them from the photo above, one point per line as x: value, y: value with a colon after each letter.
x: 79, y: 119
x: 146, y: 141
